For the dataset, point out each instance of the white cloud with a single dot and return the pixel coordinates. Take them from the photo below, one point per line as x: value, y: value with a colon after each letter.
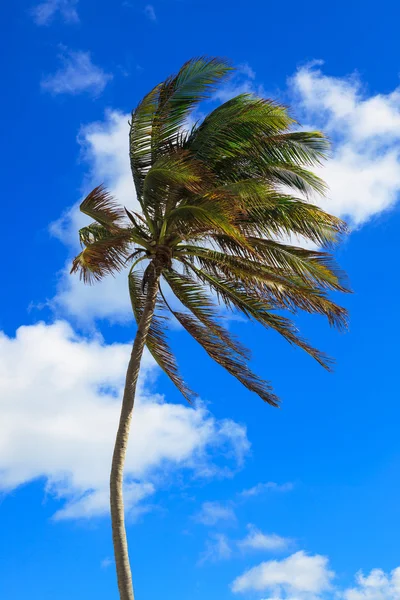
x: 377, y: 585
x: 264, y: 487
x: 59, y: 404
x: 217, y: 548
x: 302, y: 576
x: 76, y: 75
x: 150, y: 12
x: 212, y: 513
x: 105, y: 147
x: 44, y: 13
x: 297, y: 574
x: 364, y: 172
x: 257, y: 540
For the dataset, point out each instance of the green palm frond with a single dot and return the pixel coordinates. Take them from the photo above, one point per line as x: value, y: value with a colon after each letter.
x: 311, y: 147
x: 231, y: 129
x: 157, y: 121
x: 313, y: 267
x: 178, y: 96
x: 93, y: 233
x: 284, y: 215
x: 140, y: 149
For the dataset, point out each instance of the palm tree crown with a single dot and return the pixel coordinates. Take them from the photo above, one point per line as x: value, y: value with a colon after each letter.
x: 219, y: 202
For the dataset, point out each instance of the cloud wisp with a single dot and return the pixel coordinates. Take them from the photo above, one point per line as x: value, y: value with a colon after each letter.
x: 212, y: 513
x: 45, y: 12
x: 257, y: 540
x: 77, y: 75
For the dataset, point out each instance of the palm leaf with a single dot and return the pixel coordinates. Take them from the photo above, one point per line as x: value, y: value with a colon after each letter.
x: 256, y: 308
x: 101, y: 206
x: 193, y: 297
x: 281, y: 289
x: 103, y: 257
x: 225, y: 357
x: 156, y: 339
x: 178, y: 96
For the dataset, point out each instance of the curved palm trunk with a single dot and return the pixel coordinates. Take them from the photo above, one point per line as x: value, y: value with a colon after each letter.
x: 124, y: 575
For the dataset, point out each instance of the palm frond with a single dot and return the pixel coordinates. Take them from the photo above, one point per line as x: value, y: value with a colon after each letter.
x: 174, y: 178
x: 102, y: 207
x: 232, y: 128
x: 284, y: 215
x: 106, y: 256
x: 194, y: 298
x: 254, y: 307
x: 179, y: 94
x: 93, y: 233
x: 224, y: 356
x: 158, y: 120
x: 281, y: 289
x: 156, y: 338
x: 140, y: 148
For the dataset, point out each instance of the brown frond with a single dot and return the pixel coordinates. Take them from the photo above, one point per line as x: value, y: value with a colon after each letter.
x: 103, y: 257
x: 156, y: 339
x: 103, y: 208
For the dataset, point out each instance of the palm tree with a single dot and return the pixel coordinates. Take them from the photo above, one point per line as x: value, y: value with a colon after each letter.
x: 219, y: 202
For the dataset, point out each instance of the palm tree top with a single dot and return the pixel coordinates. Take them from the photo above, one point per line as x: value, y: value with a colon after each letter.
x: 218, y: 203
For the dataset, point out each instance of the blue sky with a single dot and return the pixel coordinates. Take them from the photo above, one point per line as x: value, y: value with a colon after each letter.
x: 231, y: 498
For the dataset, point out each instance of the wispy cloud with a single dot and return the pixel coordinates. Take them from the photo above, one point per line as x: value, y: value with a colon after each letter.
x: 106, y: 562
x: 261, y: 488
x: 45, y: 12
x: 150, y: 12
x: 212, y: 513
x: 257, y: 540
x: 217, y: 548
x: 77, y: 74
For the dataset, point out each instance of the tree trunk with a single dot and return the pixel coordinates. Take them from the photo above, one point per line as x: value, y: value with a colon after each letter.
x: 124, y: 574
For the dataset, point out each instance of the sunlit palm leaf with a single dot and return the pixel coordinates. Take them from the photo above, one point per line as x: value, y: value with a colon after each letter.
x: 178, y: 95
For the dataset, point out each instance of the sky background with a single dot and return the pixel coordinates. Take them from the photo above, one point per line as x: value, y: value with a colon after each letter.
x: 230, y: 498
